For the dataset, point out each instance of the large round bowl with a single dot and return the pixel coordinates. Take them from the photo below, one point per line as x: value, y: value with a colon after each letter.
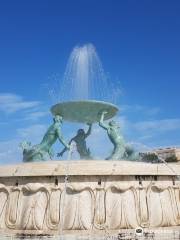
x: 84, y: 111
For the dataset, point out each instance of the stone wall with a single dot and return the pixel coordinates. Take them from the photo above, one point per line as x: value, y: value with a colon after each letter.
x: 88, y: 202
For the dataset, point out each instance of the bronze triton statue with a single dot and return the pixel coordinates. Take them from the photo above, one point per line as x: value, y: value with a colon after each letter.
x: 80, y: 141
x: 43, y: 151
x: 121, y: 150
x: 115, y: 137
x: 82, y: 112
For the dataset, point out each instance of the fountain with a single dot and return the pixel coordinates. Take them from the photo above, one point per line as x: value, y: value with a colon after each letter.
x: 84, y: 111
x: 97, y: 197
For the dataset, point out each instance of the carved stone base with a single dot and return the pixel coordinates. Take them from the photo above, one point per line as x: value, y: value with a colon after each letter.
x: 97, y: 196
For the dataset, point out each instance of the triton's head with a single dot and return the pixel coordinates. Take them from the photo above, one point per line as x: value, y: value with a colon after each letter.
x: 81, y: 132
x: 58, y: 118
x: 112, y: 123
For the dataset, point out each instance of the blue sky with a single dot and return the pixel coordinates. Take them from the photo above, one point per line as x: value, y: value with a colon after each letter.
x: 139, y: 46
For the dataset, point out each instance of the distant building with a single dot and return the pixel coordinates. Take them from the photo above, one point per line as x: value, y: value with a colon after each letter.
x: 170, y: 154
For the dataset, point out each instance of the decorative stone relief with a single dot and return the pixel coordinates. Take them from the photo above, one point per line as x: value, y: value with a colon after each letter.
x: 100, y: 214
x: 53, y: 211
x: 12, y: 211
x: 83, y: 206
x: 3, y: 204
x: 34, y: 200
x: 77, y: 208
x: 121, y: 207
x: 161, y: 206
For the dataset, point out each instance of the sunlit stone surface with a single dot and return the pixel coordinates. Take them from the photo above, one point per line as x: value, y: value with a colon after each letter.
x: 98, y: 196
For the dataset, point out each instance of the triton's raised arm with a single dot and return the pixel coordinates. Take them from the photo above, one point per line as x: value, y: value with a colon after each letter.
x: 89, y: 130
x: 101, y: 122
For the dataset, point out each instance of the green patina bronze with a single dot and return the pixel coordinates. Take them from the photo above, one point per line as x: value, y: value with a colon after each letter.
x: 115, y: 137
x: 84, y: 111
x: 43, y: 151
x: 121, y: 150
x: 80, y: 144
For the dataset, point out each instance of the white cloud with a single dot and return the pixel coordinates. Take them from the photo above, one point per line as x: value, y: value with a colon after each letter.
x: 10, y: 152
x: 134, y: 108
x: 32, y: 132
x: 34, y: 116
x: 139, y: 146
x: 10, y: 103
x: 151, y: 111
x: 162, y: 125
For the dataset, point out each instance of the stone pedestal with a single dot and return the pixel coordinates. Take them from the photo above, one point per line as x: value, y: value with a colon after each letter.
x: 88, y: 196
